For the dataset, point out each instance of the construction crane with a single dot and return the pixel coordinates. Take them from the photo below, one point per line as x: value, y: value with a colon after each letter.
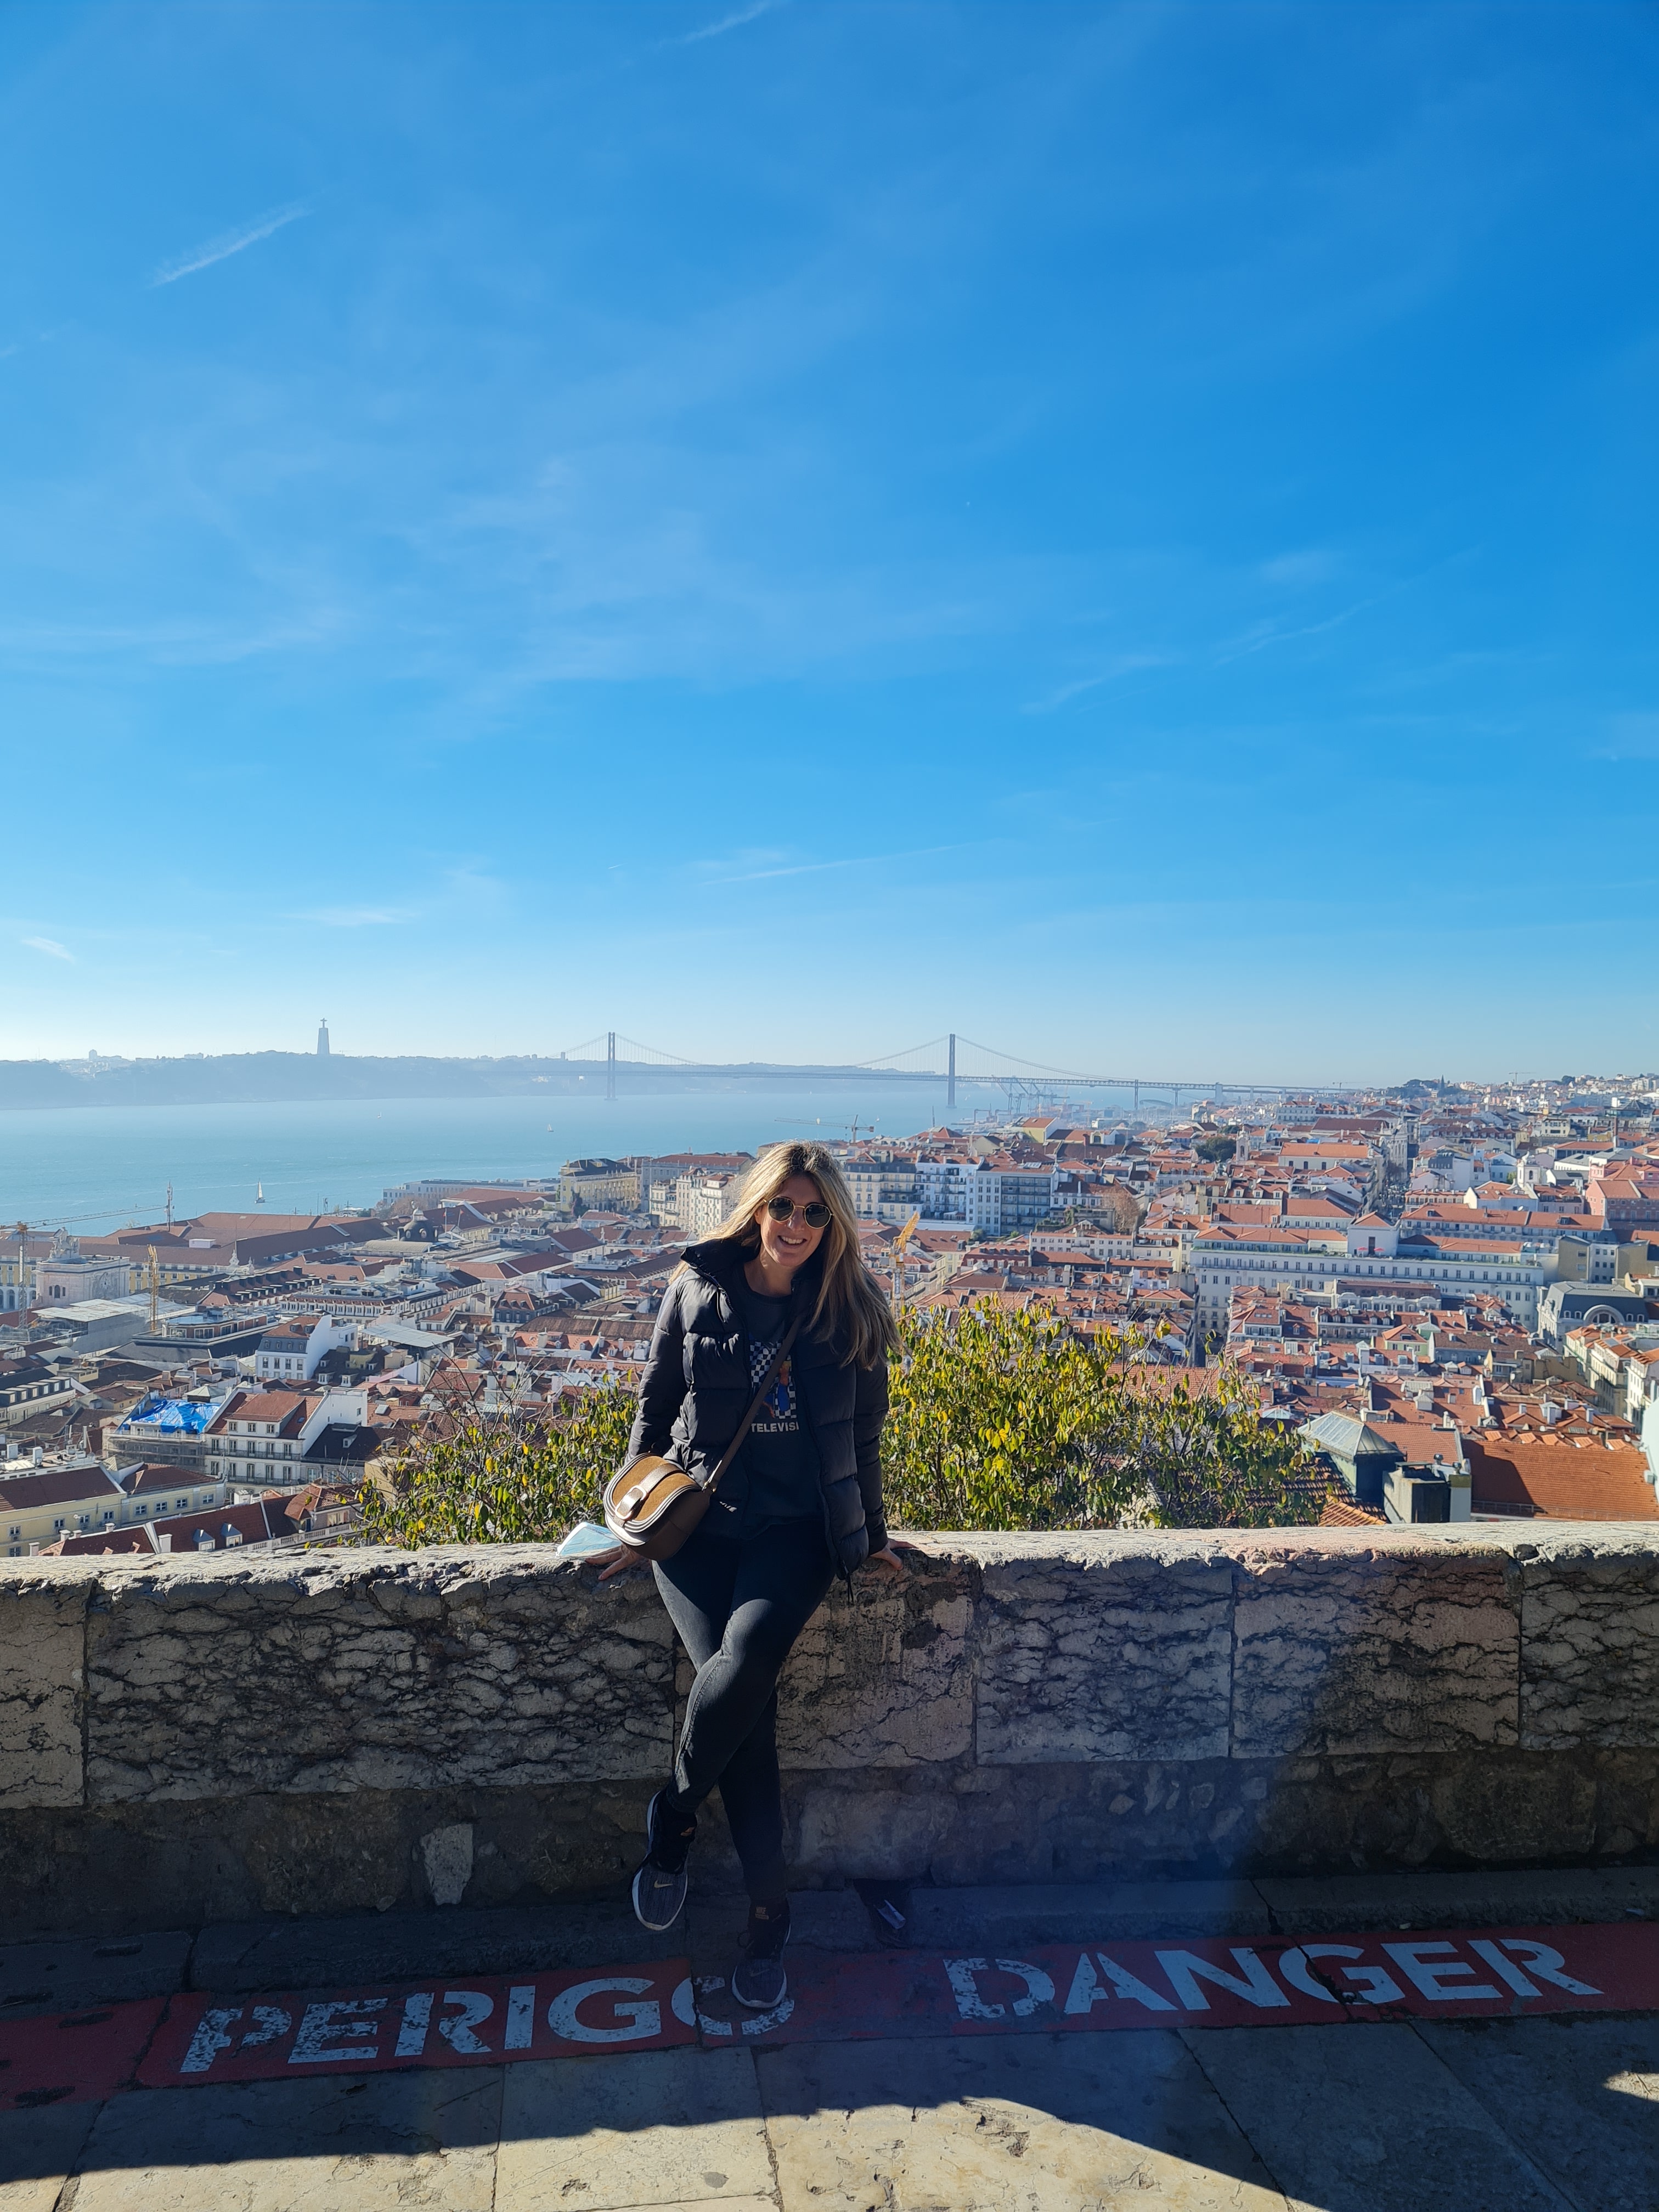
x: 899, y: 1243
x: 153, y: 1278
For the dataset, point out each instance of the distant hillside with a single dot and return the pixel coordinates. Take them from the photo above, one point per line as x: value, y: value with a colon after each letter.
x: 261, y: 1079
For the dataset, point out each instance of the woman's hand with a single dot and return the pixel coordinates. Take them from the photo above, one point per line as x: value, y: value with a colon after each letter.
x: 616, y: 1562
x: 888, y: 1563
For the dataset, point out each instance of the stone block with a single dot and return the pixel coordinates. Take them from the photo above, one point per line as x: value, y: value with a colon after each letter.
x: 1627, y: 1798
x: 373, y: 1670
x: 1005, y: 1919
x: 844, y: 1829
x: 148, y: 1863
x: 1103, y: 1648
x: 307, y: 1951
x: 72, y: 1975
x: 42, y: 1687
x: 1584, y: 2107
x: 445, y: 1856
x: 292, y: 1733
x: 1492, y: 1897
x: 39, y: 2153
x: 1407, y: 2133
x: 1079, y: 1821
x: 1590, y: 1643
x: 1055, y: 2123
x: 1314, y: 1815
x: 1407, y: 1644
x: 668, y: 2127
x: 881, y: 1676
x: 380, y: 2143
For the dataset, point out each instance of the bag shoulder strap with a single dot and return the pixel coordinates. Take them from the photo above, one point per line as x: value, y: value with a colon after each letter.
x: 748, y: 1420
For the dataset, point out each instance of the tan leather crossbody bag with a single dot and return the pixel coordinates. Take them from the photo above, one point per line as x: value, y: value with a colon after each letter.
x: 652, y: 1507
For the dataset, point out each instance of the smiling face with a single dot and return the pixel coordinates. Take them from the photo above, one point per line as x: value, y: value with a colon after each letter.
x: 786, y: 1245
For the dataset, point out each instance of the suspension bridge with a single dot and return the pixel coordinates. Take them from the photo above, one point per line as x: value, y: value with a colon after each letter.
x: 952, y: 1059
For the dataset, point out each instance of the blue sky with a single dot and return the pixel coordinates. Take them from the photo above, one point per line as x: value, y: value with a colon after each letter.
x: 1126, y: 531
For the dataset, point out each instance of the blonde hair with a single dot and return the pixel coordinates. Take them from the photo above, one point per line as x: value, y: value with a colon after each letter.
x: 851, y: 1304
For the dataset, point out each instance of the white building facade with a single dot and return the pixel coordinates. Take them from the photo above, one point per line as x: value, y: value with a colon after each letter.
x: 1222, y: 1265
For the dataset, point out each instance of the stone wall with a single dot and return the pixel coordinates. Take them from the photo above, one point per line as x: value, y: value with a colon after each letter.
x: 186, y: 1740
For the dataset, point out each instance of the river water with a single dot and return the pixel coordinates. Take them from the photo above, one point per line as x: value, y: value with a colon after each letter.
x: 97, y: 1167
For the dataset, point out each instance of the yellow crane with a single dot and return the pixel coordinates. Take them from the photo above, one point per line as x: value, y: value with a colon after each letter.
x: 899, y: 1243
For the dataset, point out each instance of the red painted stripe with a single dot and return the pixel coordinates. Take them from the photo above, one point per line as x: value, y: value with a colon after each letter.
x: 465, y: 2020
x: 74, y: 2058
x: 1278, y: 1982
x: 484, y: 2020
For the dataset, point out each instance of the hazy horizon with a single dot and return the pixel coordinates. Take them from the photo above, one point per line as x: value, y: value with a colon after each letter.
x: 635, y: 1073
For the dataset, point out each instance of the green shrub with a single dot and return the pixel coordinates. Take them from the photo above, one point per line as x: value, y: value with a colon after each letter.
x: 999, y: 1420
x: 1005, y: 1421
x: 506, y: 1476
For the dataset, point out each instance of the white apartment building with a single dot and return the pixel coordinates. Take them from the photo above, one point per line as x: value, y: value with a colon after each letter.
x: 1262, y: 1260
x: 1001, y: 1199
x: 1007, y: 1200
x: 883, y: 1190
x: 291, y: 1351
x: 703, y: 1207
x: 261, y: 1437
x: 694, y: 1203
x: 943, y: 1186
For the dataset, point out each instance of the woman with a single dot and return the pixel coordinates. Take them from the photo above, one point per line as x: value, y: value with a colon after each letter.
x: 800, y: 1503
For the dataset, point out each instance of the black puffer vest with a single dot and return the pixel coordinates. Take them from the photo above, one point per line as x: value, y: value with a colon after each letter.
x: 696, y: 1388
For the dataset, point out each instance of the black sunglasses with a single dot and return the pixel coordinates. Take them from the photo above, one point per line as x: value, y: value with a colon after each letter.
x: 816, y: 1216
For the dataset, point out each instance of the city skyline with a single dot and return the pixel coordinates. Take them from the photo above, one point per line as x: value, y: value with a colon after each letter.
x: 948, y: 1059
x: 1130, y: 521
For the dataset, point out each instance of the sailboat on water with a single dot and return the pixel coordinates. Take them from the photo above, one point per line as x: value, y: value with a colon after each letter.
x: 261, y: 1189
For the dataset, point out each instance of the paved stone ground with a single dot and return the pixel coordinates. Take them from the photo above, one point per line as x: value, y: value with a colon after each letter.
x: 1484, y: 2116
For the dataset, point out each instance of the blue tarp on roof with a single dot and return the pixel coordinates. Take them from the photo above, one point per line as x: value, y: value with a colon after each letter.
x: 170, y: 1416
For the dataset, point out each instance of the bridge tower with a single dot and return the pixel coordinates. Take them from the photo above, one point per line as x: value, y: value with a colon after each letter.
x: 611, y: 1063
x: 951, y: 1083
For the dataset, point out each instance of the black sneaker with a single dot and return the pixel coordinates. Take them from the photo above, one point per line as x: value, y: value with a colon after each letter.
x: 660, y: 1884
x: 759, y: 1979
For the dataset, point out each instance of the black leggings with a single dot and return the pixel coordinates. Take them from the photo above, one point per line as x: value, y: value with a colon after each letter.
x: 737, y: 1608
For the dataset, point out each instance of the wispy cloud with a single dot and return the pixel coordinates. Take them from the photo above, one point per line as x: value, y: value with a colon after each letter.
x: 1261, y: 634
x: 229, y: 242
x: 1127, y: 664
x: 176, y: 643
x: 356, y: 917
x: 50, y: 946
x: 824, y: 867
x: 732, y: 22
